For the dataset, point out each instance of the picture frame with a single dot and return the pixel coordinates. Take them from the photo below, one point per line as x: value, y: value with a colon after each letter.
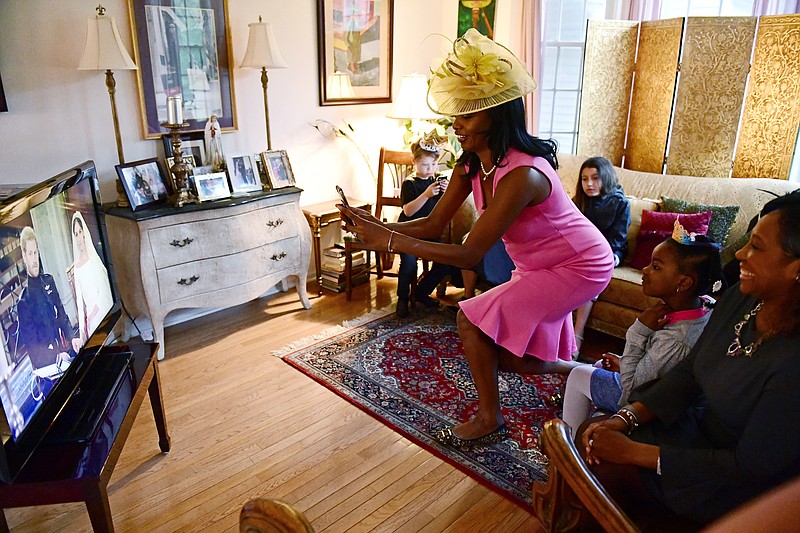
x: 192, y: 143
x: 212, y: 186
x: 144, y: 183
x: 183, y: 51
x: 354, y: 38
x: 262, y: 172
x: 279, y: 170
x: 243, y: 174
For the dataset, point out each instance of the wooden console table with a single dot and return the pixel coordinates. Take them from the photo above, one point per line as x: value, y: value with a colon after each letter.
x: 79, y: 472
x: 216, y: 254
x: 320, y: 215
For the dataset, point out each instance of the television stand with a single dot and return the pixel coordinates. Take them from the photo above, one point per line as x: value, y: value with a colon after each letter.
x: 75, y: 471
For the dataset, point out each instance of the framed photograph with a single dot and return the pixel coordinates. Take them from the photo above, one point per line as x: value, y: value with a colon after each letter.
x: 243, y: 175
x: 143, y: 182
x: 192, y: 143
x: 183, y: 51
x: 278, y: 168
x: 262, y: 172
x: 354, y: 49
x: 212, y: 186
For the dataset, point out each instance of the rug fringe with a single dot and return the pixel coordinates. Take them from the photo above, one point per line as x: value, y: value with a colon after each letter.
x: 305, y: 342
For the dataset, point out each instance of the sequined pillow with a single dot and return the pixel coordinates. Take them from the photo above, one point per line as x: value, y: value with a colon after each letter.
x: 722, y: 216
x: 657, y: 226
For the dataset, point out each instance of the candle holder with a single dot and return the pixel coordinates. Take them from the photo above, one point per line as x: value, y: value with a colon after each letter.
x: 182, y: 193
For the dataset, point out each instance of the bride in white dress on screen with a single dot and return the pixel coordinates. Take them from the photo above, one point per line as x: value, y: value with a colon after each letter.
x: 90, y: 278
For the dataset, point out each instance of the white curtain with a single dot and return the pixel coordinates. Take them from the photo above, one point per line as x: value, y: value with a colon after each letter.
x: 775, y: 7
x: 637, y: 10
x: 531, y: 47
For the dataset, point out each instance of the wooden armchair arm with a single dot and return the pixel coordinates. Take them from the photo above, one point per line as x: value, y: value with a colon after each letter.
x: 571, y: 488
x: 265, y: 515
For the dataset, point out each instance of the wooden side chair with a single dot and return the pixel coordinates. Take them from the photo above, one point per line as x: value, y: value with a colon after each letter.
x: 396, y: 166
x: 265, y: 515
x: 571, y: 489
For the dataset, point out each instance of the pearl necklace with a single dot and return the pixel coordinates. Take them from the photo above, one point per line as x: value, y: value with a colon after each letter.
x: 483, y: 170
x: 736, y: 347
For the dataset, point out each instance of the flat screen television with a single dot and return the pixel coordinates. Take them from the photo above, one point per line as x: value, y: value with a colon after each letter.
x: 58, y: 304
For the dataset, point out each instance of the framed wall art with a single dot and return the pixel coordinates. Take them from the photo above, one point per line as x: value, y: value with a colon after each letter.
x: 143, y: 182
x: 478, y: 14
x: 183, y: 49
x: 278, y: 168
x: 354, y: 39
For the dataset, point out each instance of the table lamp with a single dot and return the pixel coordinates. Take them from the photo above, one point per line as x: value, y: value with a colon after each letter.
x: 262, y: 52
x: 412, y: 104
x: 339, y: 87
x: 104, y: 51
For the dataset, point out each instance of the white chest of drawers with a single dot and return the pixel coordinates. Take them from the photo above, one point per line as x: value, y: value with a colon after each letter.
x: 210, y: 255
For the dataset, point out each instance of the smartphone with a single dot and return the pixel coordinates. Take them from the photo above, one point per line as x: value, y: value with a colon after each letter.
x: 344, y: 203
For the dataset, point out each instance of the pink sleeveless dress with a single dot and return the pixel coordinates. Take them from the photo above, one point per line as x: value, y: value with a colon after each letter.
x: 562, y: 261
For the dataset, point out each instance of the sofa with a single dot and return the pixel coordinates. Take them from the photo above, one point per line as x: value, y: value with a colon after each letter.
x: 622, y: 301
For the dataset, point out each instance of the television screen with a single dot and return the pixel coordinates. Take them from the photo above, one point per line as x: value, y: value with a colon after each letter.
x: 55, y: 290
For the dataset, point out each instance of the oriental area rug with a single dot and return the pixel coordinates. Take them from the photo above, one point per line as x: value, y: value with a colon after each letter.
x: 411, y: 374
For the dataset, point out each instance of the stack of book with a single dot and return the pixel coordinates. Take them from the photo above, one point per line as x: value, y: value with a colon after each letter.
x: 333, y: 262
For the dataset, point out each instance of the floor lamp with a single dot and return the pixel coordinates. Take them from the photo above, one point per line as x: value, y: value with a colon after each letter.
x: 262, y: 52
x: 412, y: 105
x: 104, y: 51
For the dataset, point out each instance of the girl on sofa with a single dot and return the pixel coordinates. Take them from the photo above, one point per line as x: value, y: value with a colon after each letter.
x: 682, y: 270
x: 600, y: 197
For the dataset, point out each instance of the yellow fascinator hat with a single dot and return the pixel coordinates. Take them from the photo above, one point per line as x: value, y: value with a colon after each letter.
x: 476, y: 75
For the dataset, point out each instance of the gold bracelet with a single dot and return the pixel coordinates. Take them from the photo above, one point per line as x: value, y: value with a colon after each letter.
x: 389, y: 244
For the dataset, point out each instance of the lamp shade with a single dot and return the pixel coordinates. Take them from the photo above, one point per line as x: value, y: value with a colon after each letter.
x: 412, y: 100
x: 262, y: 48
x: 104, y: 49
x: 339, y: 86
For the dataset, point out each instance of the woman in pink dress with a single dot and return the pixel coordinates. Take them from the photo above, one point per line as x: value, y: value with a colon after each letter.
x: 561, y: 258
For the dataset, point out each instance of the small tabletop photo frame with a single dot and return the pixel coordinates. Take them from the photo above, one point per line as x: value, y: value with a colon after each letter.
x: 243, y: 174
x: 279, y: 170
x: 143, y: 182
x: 213, y: 186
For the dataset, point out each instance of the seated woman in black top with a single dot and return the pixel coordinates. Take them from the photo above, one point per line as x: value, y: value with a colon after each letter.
x: 722, y: 426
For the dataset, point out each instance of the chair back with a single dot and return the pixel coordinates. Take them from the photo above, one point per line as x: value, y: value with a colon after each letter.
x: 396, y: 166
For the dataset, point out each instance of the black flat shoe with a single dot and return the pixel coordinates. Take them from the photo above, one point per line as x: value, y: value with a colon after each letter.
x: 447, y: 437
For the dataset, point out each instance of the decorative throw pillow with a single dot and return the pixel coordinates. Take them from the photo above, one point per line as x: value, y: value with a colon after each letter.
x: 637, y: 206
x: 721, y: 219
x: 657, y: 226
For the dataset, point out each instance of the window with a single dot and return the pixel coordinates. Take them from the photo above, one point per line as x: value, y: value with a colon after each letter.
x: 562, y: 67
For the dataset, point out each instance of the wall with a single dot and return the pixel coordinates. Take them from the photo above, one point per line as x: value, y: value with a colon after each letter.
x: 60, y: 116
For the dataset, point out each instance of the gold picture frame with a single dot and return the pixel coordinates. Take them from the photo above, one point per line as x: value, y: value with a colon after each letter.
x: 183, y: 51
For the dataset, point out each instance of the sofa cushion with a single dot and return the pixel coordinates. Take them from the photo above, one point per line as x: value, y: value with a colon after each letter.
x: 637, y: 206
x: 721, y: 219
x: 657, y: 226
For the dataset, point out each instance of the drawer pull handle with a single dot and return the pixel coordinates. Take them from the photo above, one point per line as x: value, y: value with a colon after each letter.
x: 274, y: 223
x: 187, y: 282
x: 181, y: 244
x: 278, y: 257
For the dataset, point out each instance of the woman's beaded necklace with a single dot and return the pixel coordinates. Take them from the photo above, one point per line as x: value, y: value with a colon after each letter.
x: 484, y: 172
x: 736, y: 347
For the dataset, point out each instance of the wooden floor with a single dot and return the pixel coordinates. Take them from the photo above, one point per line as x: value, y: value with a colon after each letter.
x: 245, y: 424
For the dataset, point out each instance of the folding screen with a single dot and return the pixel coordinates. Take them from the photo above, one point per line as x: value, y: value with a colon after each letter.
x: 772, y: 107
x: 713, y: 75
x: 608, y: 71
x: 653, y: 92
x: 694, y: 115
